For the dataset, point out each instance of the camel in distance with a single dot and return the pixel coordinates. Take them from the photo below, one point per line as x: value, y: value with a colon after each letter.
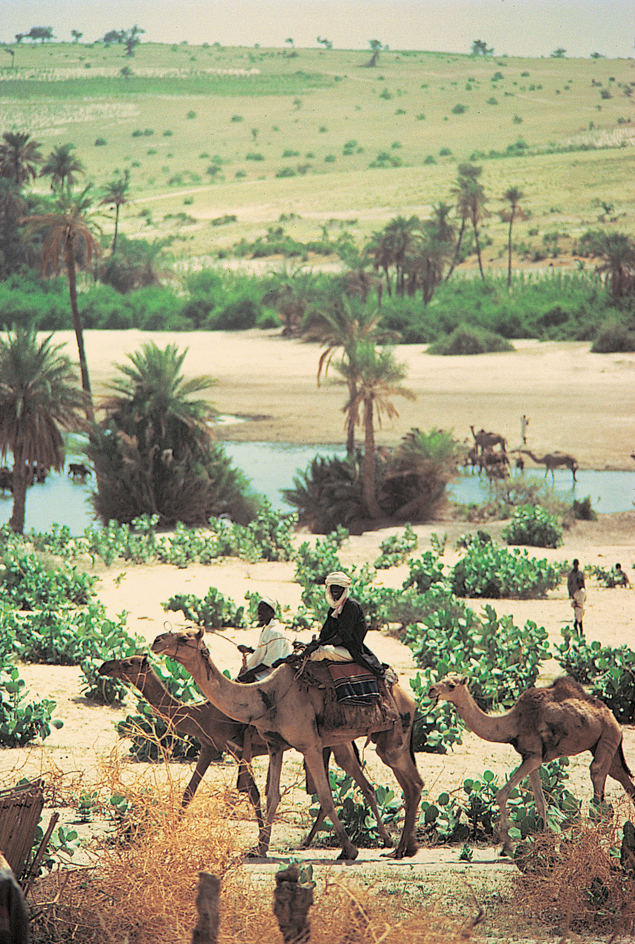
x: 560, y: 720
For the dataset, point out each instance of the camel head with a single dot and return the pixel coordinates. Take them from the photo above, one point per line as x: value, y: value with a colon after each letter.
x: 171, y: 644
x: 450, y: 688
x: 128, y: 670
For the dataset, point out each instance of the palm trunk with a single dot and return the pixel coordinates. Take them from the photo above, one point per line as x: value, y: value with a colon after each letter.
x: 350, y: 422
x: 368, y: 463
x: 509, y: 251
x: 78, y: 327
x: 114, y: 239
x: 478, y: 249
x: 457, y: 250
x: 16, y: 522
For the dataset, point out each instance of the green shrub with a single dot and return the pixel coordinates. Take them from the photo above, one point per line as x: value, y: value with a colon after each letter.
x: 469, y: 340
x: 609, y: 671
x: 583, y: 510
x: 614, y: 337
x: 534, y: 526
x: 27, y: 584
x: 213, y: 611
x: 396, y: 548
x: 100, y: 142
x: 459, y: 109
x: 490, y: 571
x: 358, y: 821
x: 424, y: 572
x: 22, y: 721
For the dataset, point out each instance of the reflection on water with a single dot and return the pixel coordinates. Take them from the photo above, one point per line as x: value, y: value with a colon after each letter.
x: 272, y: 467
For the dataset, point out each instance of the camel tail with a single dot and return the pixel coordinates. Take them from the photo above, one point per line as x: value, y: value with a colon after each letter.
x: 622, y: 759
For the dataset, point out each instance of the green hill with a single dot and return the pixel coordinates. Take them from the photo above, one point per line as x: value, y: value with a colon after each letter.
x: 316, y: 138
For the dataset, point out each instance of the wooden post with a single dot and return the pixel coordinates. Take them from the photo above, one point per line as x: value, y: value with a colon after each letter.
x: 291, y: 903
x: 208, y: 907
x: 14, y: 915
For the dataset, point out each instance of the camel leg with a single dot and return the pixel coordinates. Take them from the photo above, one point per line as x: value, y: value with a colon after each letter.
x: 529, y: 765
x: 539, y: 797
x: 393, y: 748
x: 348, y: 759
x: 273, y: 799
x: 315, y: 765
x: 620, y: 772
x: 208, y: 751
x: 602, y: 763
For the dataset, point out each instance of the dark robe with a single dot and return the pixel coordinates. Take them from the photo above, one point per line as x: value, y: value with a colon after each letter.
x: 349, y: 630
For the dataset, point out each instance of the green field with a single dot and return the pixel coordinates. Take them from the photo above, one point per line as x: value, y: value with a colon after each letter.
x: 560, y: 129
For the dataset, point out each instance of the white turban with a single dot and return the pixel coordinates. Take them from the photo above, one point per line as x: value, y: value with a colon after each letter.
x: 337, y: 579
x: 270, y: 602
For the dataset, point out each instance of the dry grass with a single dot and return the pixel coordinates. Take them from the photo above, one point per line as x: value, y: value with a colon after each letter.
x: 142, y: 885
x: 575, y: 883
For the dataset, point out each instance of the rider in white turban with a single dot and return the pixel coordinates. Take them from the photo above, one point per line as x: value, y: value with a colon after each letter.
x: 344, y: 629
x: 272, y: 643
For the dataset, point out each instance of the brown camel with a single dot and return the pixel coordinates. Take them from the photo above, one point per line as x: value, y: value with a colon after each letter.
x: 214, y: 730
x: 545, y: 723
x: 288, y: 713
x: 553, y: 460
x: 485, y: 440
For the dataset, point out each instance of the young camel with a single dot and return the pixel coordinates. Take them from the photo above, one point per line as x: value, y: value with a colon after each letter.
x: 214, y: 729
x: 487, y: 440
x: 545, y: 723
x: 287, y: 713
x: 553, y: 460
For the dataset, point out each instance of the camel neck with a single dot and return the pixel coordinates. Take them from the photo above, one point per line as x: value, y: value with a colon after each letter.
x: 499, y: 728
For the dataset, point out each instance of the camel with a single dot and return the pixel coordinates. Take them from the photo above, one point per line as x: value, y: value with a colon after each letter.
x: 553, y: 460
x: 484, y: 440
x: 545, y: 723
x: 214, y: 730
x: 288, y: 713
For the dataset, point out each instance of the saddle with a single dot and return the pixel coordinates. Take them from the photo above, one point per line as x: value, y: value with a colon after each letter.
x: 365, y: 708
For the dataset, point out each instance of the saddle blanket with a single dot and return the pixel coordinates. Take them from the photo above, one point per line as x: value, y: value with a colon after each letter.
x: 354, y: 685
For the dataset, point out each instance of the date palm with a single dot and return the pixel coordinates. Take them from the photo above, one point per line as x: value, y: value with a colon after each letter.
x: 470, y: 206
x: 39, y: 397
x: 63, y: 167
x: 19, y: 157
x: 617, y: 250
x: 514, y: 197
x: 66, y: 229
x: 115, y: 193
x: 379, y: 379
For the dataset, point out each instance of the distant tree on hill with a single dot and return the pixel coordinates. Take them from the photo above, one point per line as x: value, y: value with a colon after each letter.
x: 11, y: 53
x: 113, y: 36
x: 131, y: 39
x: 76, y: 35
x: 376, y: 47
x: 19, y: 37
x: 597, y: 55
x: 327, y: 43
x: 480, y: 48
x: 40, y: 32
x: 558, y: 53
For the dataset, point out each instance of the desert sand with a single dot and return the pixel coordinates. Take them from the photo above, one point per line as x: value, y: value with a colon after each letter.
x: 576, y: 401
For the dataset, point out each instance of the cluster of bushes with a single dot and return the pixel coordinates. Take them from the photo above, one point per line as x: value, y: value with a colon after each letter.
x: 469, y: 316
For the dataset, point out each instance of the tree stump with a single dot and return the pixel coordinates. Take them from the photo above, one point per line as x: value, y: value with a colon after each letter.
x: 208, y: 907
x: 291, y: 903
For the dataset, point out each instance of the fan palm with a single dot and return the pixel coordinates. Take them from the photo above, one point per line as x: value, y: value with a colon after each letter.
x: 379, y: 379
x: 65, y: 230
x: 63, y: 167
x: 19, y: 157
x: 39, y: 398
x: 115, y: 194
x: 618, y: 252
x: 514, y: 197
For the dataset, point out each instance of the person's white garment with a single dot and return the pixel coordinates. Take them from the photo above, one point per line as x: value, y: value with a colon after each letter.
x: 332, y: 653
x: 578, y: 601
x: 272, y: 645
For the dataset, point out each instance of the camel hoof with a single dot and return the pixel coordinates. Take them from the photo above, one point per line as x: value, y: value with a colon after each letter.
x: 348, y: 857
x: 402, y: 852
x: 255, y: 854
x: 507, y: 851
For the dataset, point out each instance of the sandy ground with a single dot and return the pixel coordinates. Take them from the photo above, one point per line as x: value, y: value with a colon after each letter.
x: 576, y: 401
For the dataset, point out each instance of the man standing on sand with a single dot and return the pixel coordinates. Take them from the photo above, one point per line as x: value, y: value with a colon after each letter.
x: 577, y: 593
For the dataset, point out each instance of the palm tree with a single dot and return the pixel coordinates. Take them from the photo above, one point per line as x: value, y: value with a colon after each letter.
x: 514, y: 197
x: 379, y: 378
x: 65, y: 229
x: 345, y: 324
x: 19, y: 157
x: 39, y: 398
x: 63, y: 167
x: 154, y: 451
x: 115, y: 194
x: 470, y: 206
x: 393, y: 247
x: 618, y: 252
x: 293, y: 294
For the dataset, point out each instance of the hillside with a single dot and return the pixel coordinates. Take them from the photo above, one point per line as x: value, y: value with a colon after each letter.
x: 313, y: 138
